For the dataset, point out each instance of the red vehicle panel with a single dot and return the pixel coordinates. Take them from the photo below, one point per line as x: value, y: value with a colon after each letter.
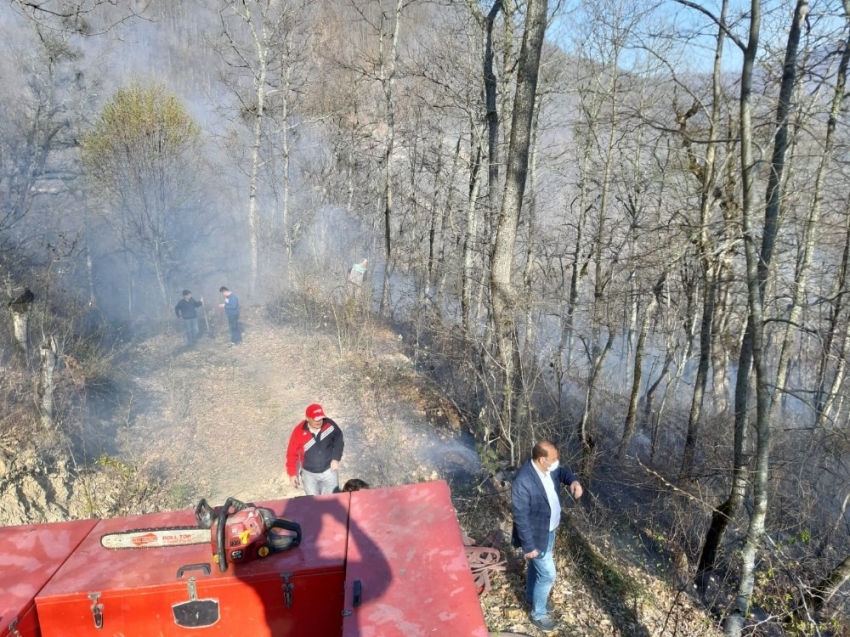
x: 181, y: 591
x: 407, y: 574
x: 29, y: 556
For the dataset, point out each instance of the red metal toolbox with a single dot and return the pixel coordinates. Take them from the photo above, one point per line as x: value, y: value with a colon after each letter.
x: 29, y: 556
x: 407, y: 574
x: 180, y: 590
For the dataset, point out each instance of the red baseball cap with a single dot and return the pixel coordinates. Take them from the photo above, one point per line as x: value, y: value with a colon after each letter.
x: 315, y: 412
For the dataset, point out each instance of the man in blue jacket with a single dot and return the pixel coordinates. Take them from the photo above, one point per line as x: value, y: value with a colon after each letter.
x: 537, y: 513
x: 231, y: 310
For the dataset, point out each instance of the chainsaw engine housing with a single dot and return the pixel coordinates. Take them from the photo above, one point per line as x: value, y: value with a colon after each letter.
x: 245, y: 536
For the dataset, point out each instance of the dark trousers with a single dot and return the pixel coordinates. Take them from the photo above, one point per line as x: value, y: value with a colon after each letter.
x: 233, y: 324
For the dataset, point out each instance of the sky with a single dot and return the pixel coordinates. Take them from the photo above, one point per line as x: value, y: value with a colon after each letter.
x: 685, y: 34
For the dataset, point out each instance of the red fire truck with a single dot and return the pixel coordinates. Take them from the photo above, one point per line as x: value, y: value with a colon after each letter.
x: 373, y: 563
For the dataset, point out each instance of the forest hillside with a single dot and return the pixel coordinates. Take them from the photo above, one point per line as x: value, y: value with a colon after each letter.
x: 212, y: 422
x: 621, y: 226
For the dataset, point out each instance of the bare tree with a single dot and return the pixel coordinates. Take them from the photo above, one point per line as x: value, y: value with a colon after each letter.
x: 501, y: 287
x: 710, y: 272
x: 734, y: 622
x: 386, y: 77
x: 752, y: 345
x: 256, y: 57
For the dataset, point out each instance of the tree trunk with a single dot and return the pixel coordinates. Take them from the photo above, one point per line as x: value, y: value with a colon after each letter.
x: 531, y: 228
x: 723, y: 515
x: 649, y: 396
x: 709, y: 295
x: 824, y: 401
x: 470, y: 235
x: 602, y: 276
x: 783, y: 111
x: 501, y: 288
x: 388, y: 71
x: 288, y: 239
x: 567, y: 330
x: 46, y: 386
x: 670, y: 390
x: 492, y: 115
x: 433, y: 217
x: 710, y: 273
x: 836, y: 308
x: 438, y: 270
x: 160, y: 279
x: 637, y: 375
x: 827, y: 414
x: 757, y: 268
x: 587, y: 424
x: 20, y: 327
x: 631, y: 415
x: 259, y: 114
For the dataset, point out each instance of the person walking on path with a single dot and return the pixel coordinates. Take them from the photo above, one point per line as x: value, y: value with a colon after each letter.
x: 186, y: 309
x: 231, y: 310
x: 314, y: 453
x: 537, y: 513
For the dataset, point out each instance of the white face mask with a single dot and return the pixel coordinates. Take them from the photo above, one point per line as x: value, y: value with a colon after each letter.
x: 553, y: 466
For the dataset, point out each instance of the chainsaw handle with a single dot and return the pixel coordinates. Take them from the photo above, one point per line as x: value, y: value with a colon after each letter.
x: 219, y: 535
x: 283, y: 543
x: 237, y: 505
x: 205, y: 567
x: 204, y: 514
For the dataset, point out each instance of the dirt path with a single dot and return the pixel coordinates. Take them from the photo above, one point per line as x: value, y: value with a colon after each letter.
x: 214, y: 422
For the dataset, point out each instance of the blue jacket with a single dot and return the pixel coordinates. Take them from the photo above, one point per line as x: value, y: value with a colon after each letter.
x: 531, y: 506
x: 231, y: 305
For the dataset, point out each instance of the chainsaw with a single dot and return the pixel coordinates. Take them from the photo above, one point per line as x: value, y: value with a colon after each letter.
x: 237, y: 533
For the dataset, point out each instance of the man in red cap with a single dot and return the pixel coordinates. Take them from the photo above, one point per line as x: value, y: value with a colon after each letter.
x: 314, y: 452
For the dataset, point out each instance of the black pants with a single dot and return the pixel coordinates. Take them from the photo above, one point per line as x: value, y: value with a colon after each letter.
x: 233, y: 324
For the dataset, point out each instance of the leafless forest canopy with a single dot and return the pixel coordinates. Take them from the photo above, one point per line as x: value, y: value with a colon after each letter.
x: 635, y: 241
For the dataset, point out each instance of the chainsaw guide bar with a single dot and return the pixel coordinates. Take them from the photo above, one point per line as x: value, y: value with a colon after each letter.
x: 155, y: 538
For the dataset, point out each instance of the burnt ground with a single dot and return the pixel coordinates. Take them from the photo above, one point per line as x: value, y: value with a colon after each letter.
x: 213, y: 422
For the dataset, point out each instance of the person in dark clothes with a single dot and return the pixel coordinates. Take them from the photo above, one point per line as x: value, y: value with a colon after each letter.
x: 186, y: 309
x: 314, y: 453
x: 355, y: 484
x: 231, y: 310
x: 537, y: 513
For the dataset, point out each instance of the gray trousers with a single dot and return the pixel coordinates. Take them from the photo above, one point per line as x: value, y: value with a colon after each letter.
x: 191, y: 330
x: 320, y: 483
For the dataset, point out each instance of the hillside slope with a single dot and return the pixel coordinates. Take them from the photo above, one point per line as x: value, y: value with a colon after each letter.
x: 213, y: 422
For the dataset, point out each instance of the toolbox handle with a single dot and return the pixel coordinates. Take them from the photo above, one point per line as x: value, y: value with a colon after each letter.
x: 205, y: 567
x: 358, y: 593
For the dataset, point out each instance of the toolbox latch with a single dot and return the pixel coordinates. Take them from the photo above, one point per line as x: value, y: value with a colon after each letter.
x: 287, y: 589
x: 96, y: 610
x: 13, y: 628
